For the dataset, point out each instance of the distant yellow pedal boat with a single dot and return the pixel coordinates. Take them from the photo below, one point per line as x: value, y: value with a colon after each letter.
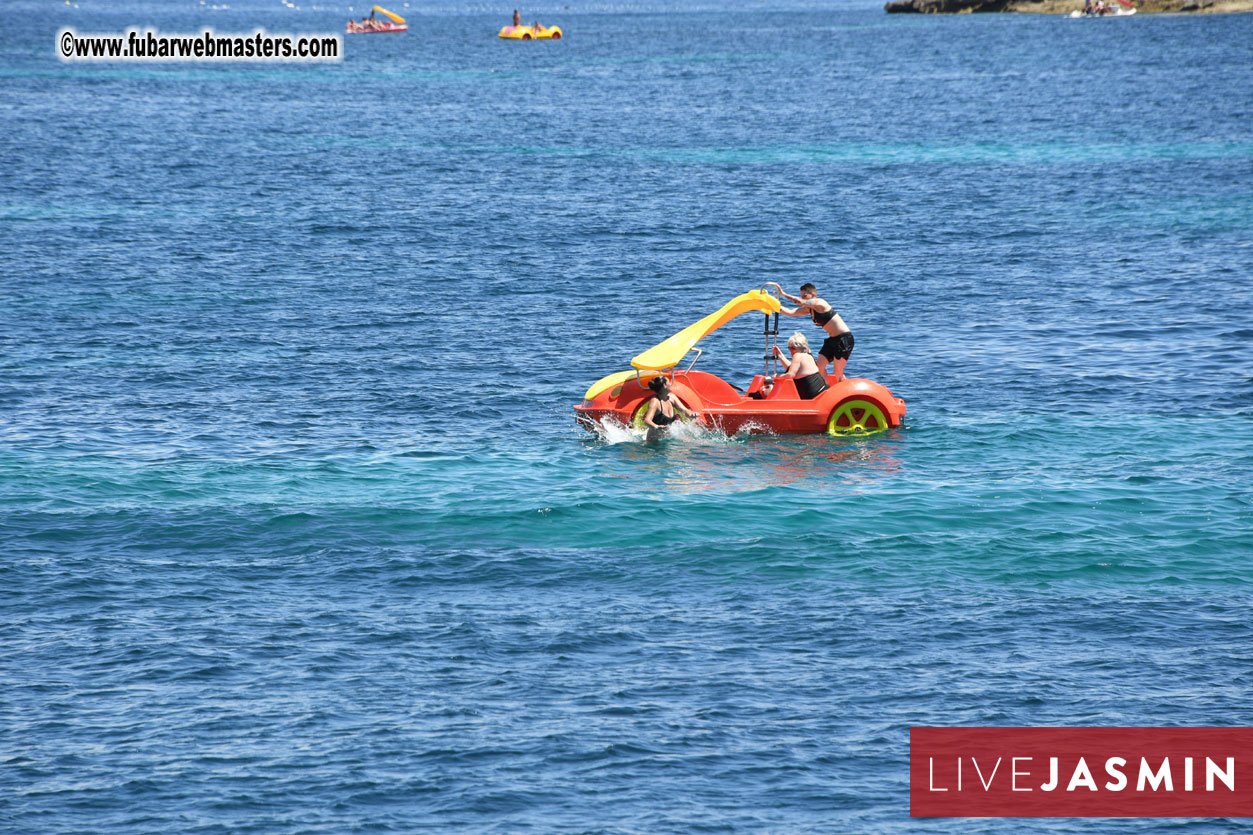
x: 530, y: 33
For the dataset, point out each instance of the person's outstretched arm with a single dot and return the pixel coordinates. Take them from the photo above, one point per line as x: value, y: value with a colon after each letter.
x: 785, y: 294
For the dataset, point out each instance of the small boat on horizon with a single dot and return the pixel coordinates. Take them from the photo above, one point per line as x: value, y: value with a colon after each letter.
x: 531, y: 33
x: 370, y: 26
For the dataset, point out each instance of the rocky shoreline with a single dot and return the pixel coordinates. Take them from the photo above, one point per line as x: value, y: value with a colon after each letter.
x: 1060, y: 6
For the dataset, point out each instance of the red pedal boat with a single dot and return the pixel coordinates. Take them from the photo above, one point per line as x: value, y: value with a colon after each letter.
x: 849, y: 407
x: 375, y: 27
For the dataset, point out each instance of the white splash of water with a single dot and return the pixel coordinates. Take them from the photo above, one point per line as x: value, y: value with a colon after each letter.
x: 612, y: 432
x: 688, y: 433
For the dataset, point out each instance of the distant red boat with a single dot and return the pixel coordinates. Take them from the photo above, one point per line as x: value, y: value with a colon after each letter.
x: 374, y: 27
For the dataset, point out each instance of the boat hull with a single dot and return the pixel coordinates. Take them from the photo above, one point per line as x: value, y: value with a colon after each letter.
x: 849, y: 407
x: 530, y: 33
x: 377, y: 31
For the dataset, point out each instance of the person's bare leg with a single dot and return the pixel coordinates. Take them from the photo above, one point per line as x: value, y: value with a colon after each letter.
x: 837, y: 368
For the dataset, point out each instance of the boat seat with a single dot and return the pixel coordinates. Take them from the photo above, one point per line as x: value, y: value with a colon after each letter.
x: 784, y: 389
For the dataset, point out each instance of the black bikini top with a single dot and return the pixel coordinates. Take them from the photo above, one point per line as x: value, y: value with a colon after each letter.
x: 661, y: 418
x: 821, y: 319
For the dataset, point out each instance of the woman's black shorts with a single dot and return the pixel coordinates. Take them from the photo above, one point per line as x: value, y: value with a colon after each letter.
x: 838, y: 347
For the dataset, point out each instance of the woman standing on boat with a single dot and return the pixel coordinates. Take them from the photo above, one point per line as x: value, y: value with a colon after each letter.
x: 839, y: 342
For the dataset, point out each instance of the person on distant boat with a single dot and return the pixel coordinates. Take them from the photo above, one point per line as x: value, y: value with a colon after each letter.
x: 838, y: 345
x: 538, y: 27
x: 517, y: 18
x: 664, y: 408
x: 801, y: 368
x: 1087, y: 8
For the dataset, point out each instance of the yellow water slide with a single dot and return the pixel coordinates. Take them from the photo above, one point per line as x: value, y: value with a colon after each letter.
x: 671, y: 352
x: 668, y: 354
x: 395, y: 17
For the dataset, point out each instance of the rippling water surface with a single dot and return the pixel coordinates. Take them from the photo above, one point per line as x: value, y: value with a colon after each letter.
x: 298, y: 532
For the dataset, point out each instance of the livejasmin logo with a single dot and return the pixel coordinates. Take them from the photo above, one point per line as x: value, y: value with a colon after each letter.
x: 1081, y: 772
x: 1081, y: 776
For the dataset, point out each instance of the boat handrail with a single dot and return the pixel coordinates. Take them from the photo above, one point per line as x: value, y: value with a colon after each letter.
x: 662, y: 371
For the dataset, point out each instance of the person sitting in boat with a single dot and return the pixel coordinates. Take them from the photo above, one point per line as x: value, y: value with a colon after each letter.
x: 664, y: 408
x: 538, y: 27
x: 801, y: 368
x: 838, y: 345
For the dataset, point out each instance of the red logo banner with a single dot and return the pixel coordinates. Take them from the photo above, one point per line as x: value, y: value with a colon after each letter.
x: 1080, y: 772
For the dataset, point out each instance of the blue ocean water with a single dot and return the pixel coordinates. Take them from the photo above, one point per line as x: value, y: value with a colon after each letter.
x: 298, y: 533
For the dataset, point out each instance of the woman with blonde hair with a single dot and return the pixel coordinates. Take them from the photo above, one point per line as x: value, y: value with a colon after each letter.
x: 802, y: 368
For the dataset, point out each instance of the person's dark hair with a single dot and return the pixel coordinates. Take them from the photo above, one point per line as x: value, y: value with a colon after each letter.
x: 658, y: 383
x: 811, y: 288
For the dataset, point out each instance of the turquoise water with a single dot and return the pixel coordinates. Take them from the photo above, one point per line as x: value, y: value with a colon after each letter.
x: 298, y: 531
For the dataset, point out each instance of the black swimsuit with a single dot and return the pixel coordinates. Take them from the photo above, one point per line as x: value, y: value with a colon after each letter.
x: 660, y: 418
x: 838, y: 347
x: 810, y: 386
x: 835, y: 347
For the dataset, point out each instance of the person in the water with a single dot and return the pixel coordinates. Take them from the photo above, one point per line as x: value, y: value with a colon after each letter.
x: 801, y: 368
x: 838, y: 345
x: 664, y: 408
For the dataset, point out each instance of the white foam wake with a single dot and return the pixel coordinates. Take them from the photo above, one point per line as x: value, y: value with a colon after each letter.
x: 682, y: 432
